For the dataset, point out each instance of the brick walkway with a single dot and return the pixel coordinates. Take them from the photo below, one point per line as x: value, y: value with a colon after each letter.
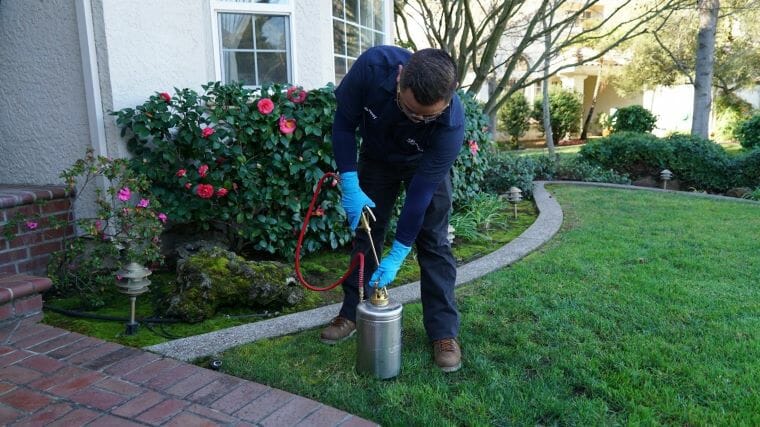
x: 52, y: 377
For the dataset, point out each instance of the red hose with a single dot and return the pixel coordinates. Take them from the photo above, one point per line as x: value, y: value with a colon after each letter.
x: 356, y: 261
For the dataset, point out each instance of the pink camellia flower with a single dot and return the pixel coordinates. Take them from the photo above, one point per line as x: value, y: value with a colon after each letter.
x: 188, y: 185
x: 203, y: 171
x: 221, y: 192
x: 143, y: 203
x: 296, y: 94
x: 265, y: 106
x: 124, y: 194
x: 206, y: 132
x: 165, y: 96
x: 31, y: 225
x: 162, y: 217
x: 181, y: 172
x: 473, y: 147
x: 205, y: 191
x: 319, y: 211
x: 287, y: 126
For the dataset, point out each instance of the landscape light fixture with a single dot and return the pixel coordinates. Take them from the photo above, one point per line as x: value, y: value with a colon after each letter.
x: 132, y: 281
x: 514, y: 196
x: 665, y: 176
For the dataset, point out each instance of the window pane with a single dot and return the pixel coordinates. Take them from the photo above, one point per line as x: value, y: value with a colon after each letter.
x: 340, y: 68
x: 379, y: 39
x: 273, y: 68
x: 237, y: 31
x: 352, y: 11
x: 379, y: 14
x: 238, y: 67
x: 338, y: 8
x: 339, y: 37
x: 365, y: 12
x: 271, y: 32
x: 367, y: 39
x: 352, y: 40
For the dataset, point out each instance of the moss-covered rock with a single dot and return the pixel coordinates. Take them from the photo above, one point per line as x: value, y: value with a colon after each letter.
x: 215, y: 278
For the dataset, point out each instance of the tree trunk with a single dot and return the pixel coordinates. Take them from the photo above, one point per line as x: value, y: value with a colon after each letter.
x: 545, y: 89
x: 587, y: 122
x: 708, y: 22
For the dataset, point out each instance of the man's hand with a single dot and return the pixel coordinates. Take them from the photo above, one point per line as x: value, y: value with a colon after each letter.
x: 390, y: 265
x: 353, y: 200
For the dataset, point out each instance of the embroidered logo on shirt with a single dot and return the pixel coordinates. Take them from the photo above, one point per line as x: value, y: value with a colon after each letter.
x: 371, y: 113
x: 410, y: 141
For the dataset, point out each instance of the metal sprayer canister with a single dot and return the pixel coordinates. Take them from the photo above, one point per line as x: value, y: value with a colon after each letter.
x: 378, y: 331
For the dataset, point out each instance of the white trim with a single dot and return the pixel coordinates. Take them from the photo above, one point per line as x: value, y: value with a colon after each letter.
x: 220, y: 6
x: 91, y: 77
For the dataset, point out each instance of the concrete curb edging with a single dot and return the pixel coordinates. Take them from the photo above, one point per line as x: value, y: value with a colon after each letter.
x: 544, y: 228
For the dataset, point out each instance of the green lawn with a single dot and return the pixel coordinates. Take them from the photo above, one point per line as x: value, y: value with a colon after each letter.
x: 645, y: 309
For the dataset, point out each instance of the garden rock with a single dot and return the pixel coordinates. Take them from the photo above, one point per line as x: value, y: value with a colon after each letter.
x: 740, y: 192
x: 214, y: 278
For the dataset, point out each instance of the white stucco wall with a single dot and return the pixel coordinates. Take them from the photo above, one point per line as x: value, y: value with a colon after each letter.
x: 43, y: 116
x: 672, y: 106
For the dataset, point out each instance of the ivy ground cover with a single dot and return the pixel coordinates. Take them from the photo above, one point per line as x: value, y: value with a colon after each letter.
x: 644, y: 309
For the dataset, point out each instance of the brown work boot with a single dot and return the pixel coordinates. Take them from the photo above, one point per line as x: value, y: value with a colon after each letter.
x: 339, y: 329
x: 448, y: 356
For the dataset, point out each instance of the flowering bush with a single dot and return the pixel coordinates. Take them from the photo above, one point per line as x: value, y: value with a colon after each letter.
x: 474, y: 158
x: 241, y: 161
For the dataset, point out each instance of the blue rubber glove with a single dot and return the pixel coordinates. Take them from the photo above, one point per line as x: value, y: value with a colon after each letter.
x: 389, y: 265
x: 353, y: 199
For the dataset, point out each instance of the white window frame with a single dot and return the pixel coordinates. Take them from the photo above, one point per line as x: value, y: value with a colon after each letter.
x: 220, y: 6
x: 387, y: 30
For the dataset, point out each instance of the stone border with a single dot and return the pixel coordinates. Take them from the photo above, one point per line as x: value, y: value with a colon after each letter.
x: 544, y: 228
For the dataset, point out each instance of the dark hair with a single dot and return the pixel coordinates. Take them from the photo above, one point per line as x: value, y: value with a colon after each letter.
x: 431, y: 74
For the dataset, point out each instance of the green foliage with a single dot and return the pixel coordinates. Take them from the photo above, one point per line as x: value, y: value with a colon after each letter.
x: 634, y: 118
x: 510, y: 170
x: 566, y: 108
x: 748, y: 132
x: 485, y: 212
x: 222, y: 160
x: 576, y: 169
x: 514, y: 115
x: 697, y: 163
x: 730, y: 111
x: 473, y: 163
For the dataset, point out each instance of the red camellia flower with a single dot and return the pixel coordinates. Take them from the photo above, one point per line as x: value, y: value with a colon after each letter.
x: 203, y: 171
x: 165, y: 96
x: 265, y: 106
x: 188, y: 185
x: 473, y: 147
x: 296, y: 94
x: 205, y: 191
x: 206, y: 132
x: 287, y: 126
x: 319, y: 211
x: 221, y: 192
x: 182, y: 172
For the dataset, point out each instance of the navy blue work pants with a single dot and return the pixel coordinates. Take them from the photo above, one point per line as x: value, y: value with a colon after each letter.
x: 382, y: 183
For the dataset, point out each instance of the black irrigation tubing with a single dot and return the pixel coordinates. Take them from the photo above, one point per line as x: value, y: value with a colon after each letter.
x: 86, y: 315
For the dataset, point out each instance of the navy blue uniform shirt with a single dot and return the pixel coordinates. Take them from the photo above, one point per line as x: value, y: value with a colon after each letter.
x: 367, y: 100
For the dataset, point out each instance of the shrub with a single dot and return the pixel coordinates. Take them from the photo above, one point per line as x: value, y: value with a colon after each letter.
x: 748, y: 132
x: 634, y: 118
x: 473, y: 162
x: 576, y: 169
x: 240, y: 161
x: 730, y: 111
x: 699, y: 163
x: 746, y: 168
x: 485, y: 212
x: 509, y: 170
x: 634, y: 154
x: 514, y: 115
x: 565, y: 109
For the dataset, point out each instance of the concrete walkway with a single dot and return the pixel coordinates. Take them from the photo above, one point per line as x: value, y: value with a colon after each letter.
x: 49, y: 376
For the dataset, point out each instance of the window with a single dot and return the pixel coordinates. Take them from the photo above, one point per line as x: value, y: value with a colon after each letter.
x: 357, y: 25
x: 254, y: 45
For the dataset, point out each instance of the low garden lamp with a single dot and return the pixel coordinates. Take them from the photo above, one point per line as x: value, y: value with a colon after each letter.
x: 132, y: 281
x: 665, y: 176
x: 514, y: 196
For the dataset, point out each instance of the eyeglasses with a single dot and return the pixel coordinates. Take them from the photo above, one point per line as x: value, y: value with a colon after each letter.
x: 414, y: 117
